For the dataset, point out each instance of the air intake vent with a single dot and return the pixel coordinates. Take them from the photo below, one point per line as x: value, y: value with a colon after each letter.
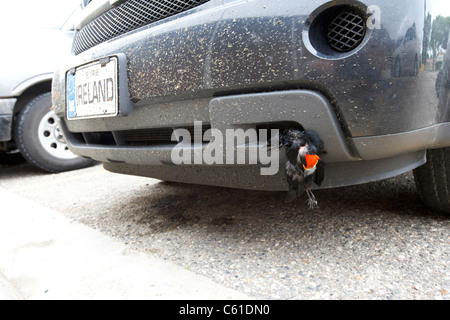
x: 346, y: 31
x: 337, y: 29
x: 153, y: 136
x: 129, y: 16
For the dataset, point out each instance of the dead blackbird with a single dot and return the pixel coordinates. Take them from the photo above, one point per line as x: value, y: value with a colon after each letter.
x: 304, y: 166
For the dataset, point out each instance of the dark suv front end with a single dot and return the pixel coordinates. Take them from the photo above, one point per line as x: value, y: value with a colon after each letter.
x: 356, y: 72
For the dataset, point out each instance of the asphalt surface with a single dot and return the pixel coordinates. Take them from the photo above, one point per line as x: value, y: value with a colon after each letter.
x: 47, y: 256
x: 373, y: 241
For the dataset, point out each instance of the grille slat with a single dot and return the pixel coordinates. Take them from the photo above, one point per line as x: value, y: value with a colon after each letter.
x: 128, y: 16
x: 154, y: 135
x: 346, y: 31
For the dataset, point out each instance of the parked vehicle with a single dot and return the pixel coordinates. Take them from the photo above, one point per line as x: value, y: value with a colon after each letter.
x: 144, y: 76
x: 407, y: 54
x: 32, y: 48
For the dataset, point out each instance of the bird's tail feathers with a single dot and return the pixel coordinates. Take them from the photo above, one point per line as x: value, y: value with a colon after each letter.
x: 293, y: 193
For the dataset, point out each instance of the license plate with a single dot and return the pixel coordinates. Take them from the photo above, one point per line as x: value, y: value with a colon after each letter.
x: 92, y: 90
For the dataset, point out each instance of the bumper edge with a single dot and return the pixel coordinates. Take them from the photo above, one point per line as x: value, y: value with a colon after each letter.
x: 378, y: 147
x: 338, y: 174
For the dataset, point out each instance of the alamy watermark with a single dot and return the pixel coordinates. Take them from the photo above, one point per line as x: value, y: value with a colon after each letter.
x: 374, y: 19
x: 234, y: 146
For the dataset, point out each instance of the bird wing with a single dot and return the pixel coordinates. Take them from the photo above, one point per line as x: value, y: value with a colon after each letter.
x: 320, y: 173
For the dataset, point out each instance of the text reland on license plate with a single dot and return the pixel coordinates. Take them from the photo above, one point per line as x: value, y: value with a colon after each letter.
x: 92, y: 90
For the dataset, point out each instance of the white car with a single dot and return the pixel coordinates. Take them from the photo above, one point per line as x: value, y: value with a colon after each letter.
x: 32, y: 47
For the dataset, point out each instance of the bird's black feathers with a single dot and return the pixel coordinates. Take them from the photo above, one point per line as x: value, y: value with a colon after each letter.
x: 297, y: 176
x: 294, y: 137
x: 320, y: 173
x: 293, y: 193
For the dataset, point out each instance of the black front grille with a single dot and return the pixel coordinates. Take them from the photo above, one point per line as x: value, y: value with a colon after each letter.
x: 128, y: 16
x: 346, y: 31
x: 136, y: 137
x: 155, y: 135
x: 145, y: 136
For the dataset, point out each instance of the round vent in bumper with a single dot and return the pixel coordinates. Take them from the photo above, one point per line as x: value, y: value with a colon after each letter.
x: 337, y: 29
x: 346, y: 31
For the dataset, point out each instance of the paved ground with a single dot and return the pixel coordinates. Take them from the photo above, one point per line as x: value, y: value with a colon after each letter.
x: 45, y: 255
x: 374, y: 241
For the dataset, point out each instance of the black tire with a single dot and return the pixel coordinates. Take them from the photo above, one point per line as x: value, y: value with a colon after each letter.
x: 433, y: 180
x: 26, y: 135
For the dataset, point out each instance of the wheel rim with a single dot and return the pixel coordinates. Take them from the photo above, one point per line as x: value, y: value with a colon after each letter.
x: 51, y: 137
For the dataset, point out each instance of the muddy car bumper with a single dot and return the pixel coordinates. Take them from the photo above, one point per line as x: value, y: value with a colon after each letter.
x: 349, y: 160
x: 240, y: 64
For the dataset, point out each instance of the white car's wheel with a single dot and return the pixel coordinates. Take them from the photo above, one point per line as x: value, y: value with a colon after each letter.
x: 40, y: 140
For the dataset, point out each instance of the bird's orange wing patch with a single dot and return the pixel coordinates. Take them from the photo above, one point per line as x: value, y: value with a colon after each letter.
x: 311, y: 161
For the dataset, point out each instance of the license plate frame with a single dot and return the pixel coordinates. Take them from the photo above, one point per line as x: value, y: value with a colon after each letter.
x: 92, y: 90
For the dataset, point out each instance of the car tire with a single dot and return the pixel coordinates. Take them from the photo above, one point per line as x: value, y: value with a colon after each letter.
x: 433, y: 180
x: 40, y: 140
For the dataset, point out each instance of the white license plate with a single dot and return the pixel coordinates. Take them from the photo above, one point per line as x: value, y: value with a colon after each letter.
x: 92, y: 90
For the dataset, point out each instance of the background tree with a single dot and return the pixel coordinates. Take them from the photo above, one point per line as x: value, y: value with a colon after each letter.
x: 426, y: 38
x: 439, y: 35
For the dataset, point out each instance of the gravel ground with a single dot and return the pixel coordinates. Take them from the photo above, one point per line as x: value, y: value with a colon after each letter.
x: 373, y: 241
